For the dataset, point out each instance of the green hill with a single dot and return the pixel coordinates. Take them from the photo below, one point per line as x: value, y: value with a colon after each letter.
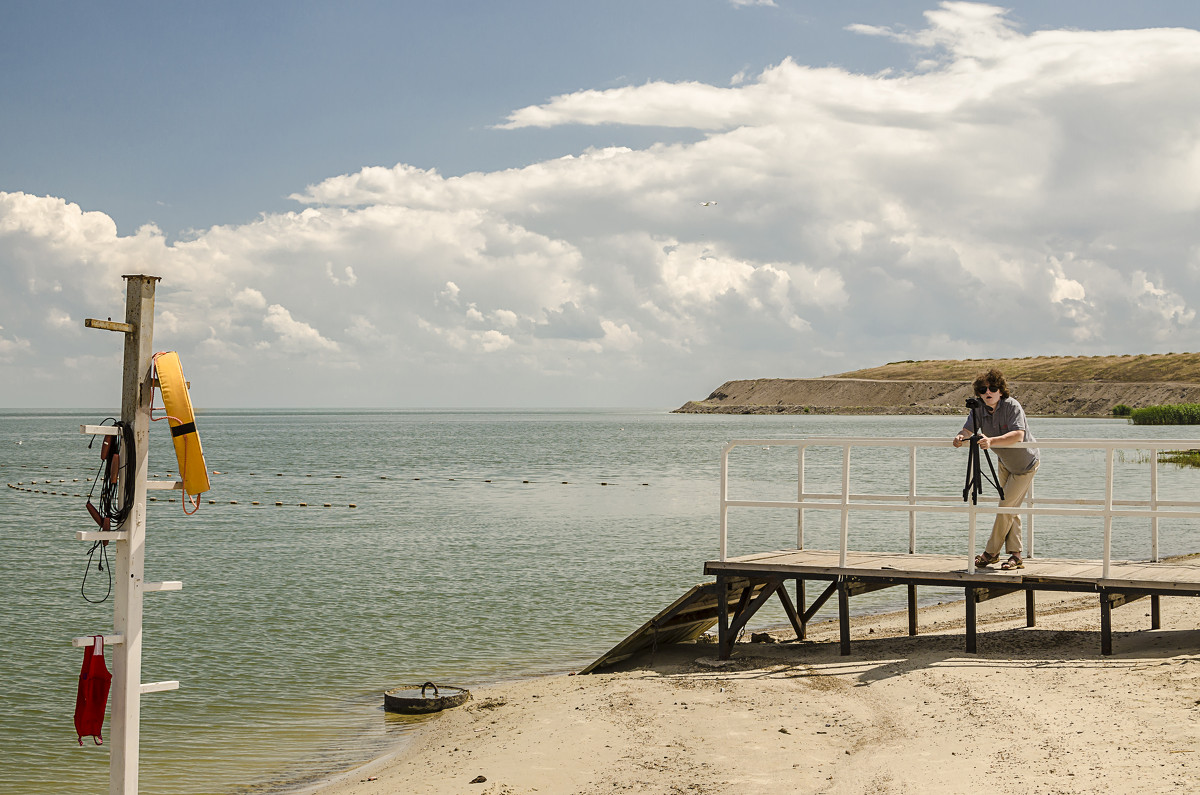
x: 1140, y: 368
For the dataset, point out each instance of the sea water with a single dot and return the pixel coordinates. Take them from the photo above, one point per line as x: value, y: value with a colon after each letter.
x: 483, y: 546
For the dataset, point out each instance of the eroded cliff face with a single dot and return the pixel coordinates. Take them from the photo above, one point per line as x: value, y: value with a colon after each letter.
x: 866, y: 396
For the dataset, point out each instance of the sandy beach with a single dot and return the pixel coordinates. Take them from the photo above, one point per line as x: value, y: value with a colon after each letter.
x: 1037, y: 710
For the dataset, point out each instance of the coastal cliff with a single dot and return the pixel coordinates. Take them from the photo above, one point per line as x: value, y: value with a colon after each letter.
x: 1047, y: 386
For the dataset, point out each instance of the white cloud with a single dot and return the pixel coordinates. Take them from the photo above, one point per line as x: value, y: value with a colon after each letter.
x: 1048, y: 179
x: 250, y: 299
x: 619, y: 337
x: 347, y: 279
x: 1067, y: 290
x: 504, y: 317
x: 60, y: 320
x: 971, y: 30
x: 295, y: 336
x: 1170, y: 310
x: 12, y: 348
x: 363, y: 331
x: 491, y: 341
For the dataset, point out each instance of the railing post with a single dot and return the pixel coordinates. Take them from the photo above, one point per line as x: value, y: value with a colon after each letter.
x: 912, y: 498
x: 1154, y: 504
x: 1108, y: 506
x: 800, y: 496
x: 845, y: 504
x: 971, y: 513
x: 1029, y: 519
x: 724, y: 500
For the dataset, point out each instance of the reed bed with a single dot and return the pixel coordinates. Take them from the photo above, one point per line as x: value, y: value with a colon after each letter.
x: 1178, y: 414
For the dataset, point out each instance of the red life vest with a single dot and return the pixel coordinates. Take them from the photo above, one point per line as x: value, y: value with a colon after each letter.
x: 92, y: 698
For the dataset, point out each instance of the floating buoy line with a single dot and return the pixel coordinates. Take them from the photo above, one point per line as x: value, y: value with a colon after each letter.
x: 30, y: 489
x: 50, y: 486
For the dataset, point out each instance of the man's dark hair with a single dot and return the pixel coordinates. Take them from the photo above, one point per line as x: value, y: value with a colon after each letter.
x: 993, y: 379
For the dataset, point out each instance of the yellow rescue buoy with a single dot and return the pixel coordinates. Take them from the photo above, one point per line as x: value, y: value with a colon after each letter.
x: 182, y: 419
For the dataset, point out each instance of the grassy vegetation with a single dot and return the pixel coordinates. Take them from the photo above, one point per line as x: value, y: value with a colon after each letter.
x: 1179, y: 414
x: 1153, y: 367
x: 1183, y: 458
x: 1121, y: 410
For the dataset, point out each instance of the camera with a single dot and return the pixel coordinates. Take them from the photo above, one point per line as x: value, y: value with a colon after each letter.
x: 974, y: 403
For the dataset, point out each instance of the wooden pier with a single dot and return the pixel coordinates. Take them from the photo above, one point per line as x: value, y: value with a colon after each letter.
x: 745, y: 583
x: 848, y: 572
x: 863, y: 572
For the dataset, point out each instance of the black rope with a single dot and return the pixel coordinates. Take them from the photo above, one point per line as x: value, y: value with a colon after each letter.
x: 116, y: 453
x: 100, y: 566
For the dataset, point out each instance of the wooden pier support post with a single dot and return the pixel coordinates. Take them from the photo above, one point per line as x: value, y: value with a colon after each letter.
x: 970, y: 599
x: 844, y: 615
x: 724, y: 647
x: 912, y: 609
x: 1105, y: 623
x: 803, y: 634
x: 1030, y: 615
x: 1155, y: 612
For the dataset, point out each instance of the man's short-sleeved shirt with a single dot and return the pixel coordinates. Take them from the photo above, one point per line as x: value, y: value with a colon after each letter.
x: 1008, y: 416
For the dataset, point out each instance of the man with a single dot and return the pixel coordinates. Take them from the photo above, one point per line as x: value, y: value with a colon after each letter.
x: 1002, y: 423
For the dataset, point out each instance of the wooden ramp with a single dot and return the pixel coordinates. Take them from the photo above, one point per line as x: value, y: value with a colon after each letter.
x: 863, y: 572
x: 687, y: 618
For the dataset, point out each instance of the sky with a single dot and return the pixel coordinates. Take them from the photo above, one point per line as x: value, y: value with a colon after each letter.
x: 556, y: 204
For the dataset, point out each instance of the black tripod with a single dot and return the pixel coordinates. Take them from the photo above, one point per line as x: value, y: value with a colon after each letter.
x: 974, y: 484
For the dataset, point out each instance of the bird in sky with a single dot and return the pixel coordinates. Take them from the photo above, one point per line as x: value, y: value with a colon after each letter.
x: 707, y: 204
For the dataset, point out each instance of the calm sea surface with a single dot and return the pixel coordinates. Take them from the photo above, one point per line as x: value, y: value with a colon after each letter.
x: 484, y: 546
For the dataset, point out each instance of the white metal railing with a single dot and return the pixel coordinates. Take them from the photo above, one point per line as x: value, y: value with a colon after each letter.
x: 914, y: 503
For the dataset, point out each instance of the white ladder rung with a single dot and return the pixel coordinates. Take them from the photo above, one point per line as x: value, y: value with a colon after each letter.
x: 101, y: 535
x: 98, y: 430
x: 88, y: 640
x: 162, y: 485
x: 169, y: 585
x: 155, y: 687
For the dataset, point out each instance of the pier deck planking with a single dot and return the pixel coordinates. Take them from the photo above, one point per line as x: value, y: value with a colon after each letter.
x: 1127, y: 581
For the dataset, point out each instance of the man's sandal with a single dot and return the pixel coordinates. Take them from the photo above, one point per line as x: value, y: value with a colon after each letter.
x: 1014, y: 562
x: 986, y: 559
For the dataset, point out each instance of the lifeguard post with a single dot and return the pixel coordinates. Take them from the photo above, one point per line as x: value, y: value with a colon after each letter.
x: 129, y: 538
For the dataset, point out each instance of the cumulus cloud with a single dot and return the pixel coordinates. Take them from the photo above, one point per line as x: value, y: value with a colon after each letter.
x: 293, y: 335
x: 1017, y: 193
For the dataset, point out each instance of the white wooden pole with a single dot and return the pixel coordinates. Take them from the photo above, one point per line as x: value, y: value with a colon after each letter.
x: 724, y: 501
x: 972, y: 512
x: 912, y: 499
x: 845, y: 542
x: 1108, y: 507
x: 130, y: 554
x: 1154, y: 504
x: 1029, y: 500
x: 800, y: 497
